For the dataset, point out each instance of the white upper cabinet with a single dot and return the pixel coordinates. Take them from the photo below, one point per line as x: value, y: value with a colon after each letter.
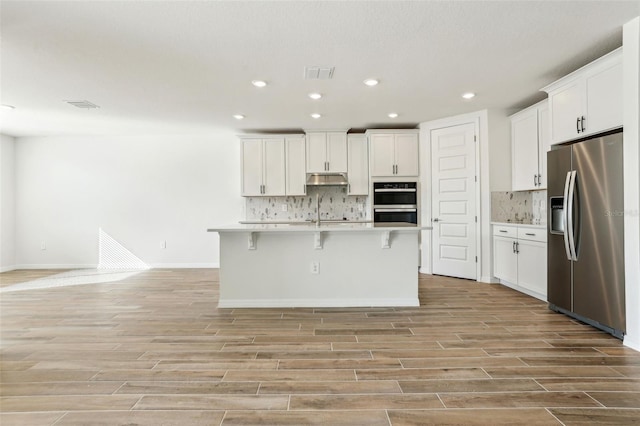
x: 326, y: 152
x: 393, y: 152
x: 358, y: 164
x: 273, y: 165
x: 296, y: 175
x: 587, y: 101
x: 529, y: 146
x: 263, y: 166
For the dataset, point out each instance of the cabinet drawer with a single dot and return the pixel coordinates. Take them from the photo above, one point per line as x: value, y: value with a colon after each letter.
x: 505, y: 231
x: 533, y: 234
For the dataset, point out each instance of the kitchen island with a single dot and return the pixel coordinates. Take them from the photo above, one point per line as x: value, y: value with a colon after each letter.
x: 331, y: 265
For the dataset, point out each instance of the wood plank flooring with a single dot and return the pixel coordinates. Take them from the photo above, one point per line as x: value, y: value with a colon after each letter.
x: 154, y: 349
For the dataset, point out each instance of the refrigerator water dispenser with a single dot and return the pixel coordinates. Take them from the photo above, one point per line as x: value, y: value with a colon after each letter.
x: 556, y: 215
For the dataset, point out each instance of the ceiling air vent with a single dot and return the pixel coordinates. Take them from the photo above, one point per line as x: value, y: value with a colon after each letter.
x: 82, y: 104
x: 318, y: 73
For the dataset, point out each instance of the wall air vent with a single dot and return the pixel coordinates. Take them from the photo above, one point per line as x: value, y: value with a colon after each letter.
x: 318, y: 73
x: 82, y: 104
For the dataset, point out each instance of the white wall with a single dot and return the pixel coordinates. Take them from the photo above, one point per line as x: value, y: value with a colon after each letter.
x: 7, y: 203
x: 631, y: 64
x: 139, y: 190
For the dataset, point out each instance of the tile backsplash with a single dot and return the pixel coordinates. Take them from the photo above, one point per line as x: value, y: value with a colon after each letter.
x: 519, y: 207
x: 334, y: 204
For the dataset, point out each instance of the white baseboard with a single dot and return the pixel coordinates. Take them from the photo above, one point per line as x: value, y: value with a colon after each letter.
x: 316, y: 303
x: 541, y: 297
x: 56, y: 266
x: 631, y: 344
x: 185, y: 265
x: 94, y: 266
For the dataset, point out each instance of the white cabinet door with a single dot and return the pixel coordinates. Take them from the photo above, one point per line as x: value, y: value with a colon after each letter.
x: 505, y: 260
x: 524, y: 150
x: 358, y: 165
x: 406, y: 154
x: 532, y: 266
x: 382, y: 154
x: 604, y: 99
x: 316, y: 152
x: 566, y: 105
x: 251, y: 167
x: 544, y: 143
x: 296, y: 173
x: 274, y: 167
x: 336, y: 152
x: 587, y: 101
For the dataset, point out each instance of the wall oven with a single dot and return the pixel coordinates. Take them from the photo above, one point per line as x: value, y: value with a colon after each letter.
x: 395, y: 202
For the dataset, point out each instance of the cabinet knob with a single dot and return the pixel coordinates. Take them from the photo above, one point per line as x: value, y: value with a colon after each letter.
x: 435, y: 219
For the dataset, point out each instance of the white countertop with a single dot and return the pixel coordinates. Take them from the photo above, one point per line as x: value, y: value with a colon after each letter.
x: 324, y: 227
x: 522, y: 225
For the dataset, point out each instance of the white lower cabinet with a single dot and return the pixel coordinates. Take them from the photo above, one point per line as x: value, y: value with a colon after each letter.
x: 520, y: 258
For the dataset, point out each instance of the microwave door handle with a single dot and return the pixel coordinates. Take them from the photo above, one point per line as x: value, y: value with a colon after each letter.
x: 409, y: 210
x: 565, y: 200
x: 570, y: 231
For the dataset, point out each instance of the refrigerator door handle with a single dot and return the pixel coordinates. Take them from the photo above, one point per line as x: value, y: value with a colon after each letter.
x: 565, y: 209
x: 571, y: 236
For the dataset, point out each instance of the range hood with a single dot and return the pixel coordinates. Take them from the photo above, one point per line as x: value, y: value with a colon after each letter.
x: 327, y: 179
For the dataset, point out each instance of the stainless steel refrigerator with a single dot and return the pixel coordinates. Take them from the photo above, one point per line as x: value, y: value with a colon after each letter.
x: 586, y: 232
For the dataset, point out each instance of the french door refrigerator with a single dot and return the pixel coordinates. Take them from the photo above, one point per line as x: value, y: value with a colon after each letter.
x: 585, y: 237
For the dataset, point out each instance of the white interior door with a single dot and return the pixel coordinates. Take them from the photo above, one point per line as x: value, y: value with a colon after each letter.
x: 453, y: 189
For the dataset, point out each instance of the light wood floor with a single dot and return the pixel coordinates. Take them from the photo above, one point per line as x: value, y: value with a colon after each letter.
x: 154, y: 349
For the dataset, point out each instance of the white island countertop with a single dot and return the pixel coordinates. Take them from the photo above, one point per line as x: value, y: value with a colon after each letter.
x: 324, y: 227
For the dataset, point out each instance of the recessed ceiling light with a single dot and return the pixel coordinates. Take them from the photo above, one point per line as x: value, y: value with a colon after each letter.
x: 468, y: 95
x: 315, y: 96
x: 259, y: 83
x: 8, y: 107
x: 371, y: 82
x: 238, y: 116
x: 393, y: 115
x: 315, y: 115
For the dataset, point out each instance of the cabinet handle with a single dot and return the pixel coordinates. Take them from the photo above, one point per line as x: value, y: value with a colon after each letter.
x: 578, y: 124
x: 517, y: 247
x: 513, y: 246
x: 582, y: 123
x: 349, y: 188
x: 539, y: 180
x: 502, y: 230
x: 530, y: 234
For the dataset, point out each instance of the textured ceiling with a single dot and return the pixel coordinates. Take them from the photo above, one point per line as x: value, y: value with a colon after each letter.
x: 186, y: 66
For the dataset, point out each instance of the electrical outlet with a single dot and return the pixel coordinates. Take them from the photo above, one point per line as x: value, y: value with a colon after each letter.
x: 360, y: 207
x: 43, y: 245
x: 163, y: 245
x: 315, y: 267
x: 284, y: 207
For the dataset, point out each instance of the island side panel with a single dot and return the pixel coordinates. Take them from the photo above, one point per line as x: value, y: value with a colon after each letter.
x: 354, y: 270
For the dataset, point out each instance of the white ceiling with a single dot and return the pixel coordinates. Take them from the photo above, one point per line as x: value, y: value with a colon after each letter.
x: 186, y: 66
